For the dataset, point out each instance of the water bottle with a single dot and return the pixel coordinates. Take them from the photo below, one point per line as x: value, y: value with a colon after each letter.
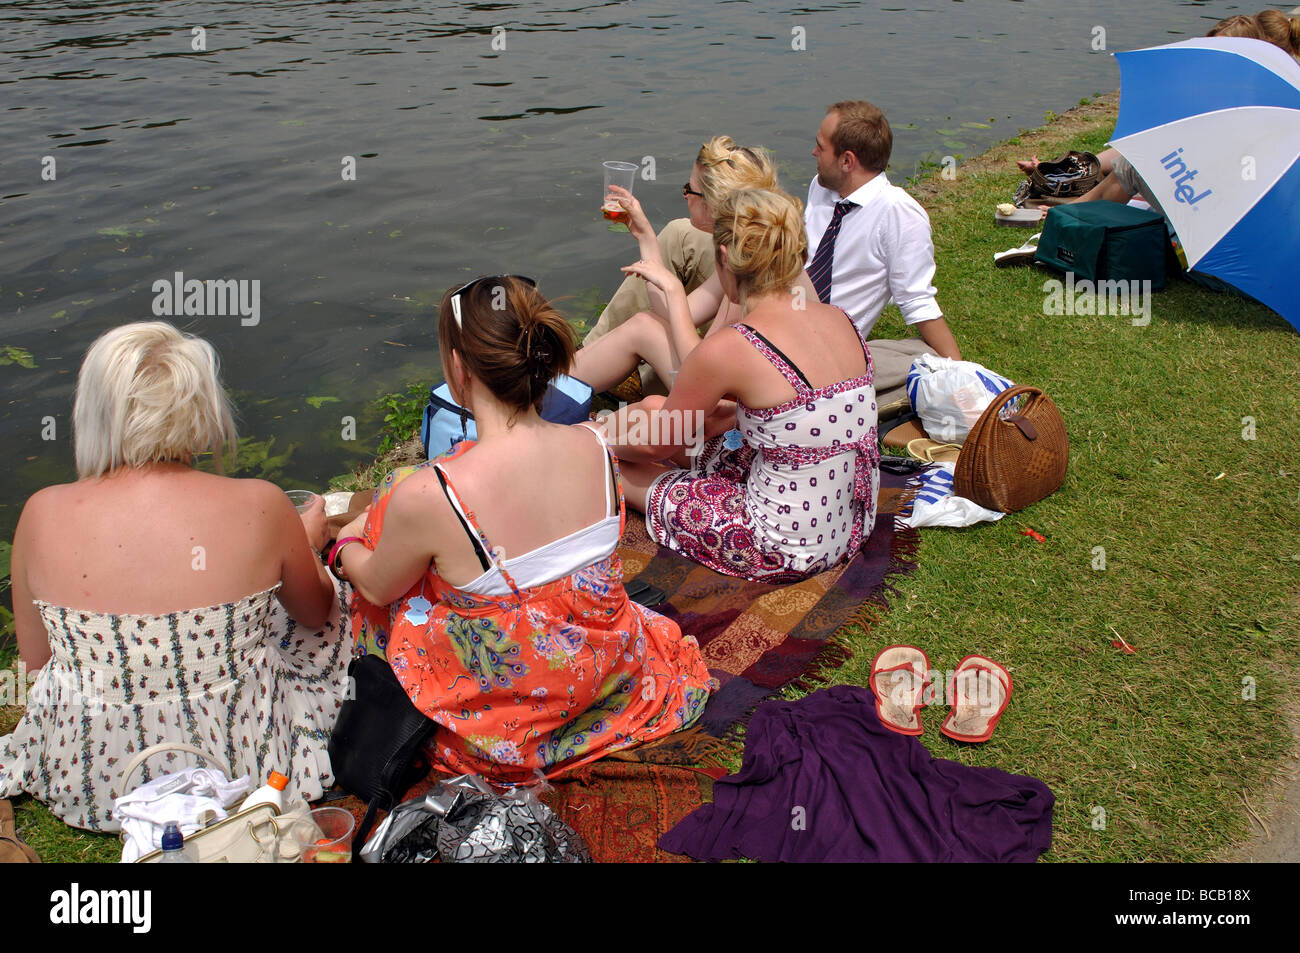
x: 173, y: 845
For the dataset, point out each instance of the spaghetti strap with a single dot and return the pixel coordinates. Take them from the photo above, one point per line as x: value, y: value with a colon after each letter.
x: 474, y: 541
x: 866, y: 351
x: 777, y: 359
x: 613, y: 471
x: 467, y: 516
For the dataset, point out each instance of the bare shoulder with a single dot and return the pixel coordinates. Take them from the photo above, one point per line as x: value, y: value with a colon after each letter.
x: 249, y: 491
x: 43, y: 507
x: 418, y: 501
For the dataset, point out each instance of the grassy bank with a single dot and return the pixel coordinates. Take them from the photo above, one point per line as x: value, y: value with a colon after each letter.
x: 1198, y: 525
x: 1151, y: 755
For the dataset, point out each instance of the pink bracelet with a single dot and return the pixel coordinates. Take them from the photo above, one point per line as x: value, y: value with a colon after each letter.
x: 338, y: 546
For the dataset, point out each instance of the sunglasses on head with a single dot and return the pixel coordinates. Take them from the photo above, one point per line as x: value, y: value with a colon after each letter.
x: 455, y: 295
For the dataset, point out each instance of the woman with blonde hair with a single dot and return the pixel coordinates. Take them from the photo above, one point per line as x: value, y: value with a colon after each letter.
x: 1271, y: 26
x: 490, y: 578
x: 164, y: 604
x: 793, y: 490
x: 659, y: 334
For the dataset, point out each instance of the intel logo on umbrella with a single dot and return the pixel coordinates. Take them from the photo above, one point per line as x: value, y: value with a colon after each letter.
x: 1182, y: 176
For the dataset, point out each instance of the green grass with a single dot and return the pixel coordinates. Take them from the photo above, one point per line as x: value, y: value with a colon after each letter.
x: 1199, y: 530
x: 1202, y: 570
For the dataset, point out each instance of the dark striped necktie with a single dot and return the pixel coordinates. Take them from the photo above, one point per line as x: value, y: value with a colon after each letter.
x: 820, y: 268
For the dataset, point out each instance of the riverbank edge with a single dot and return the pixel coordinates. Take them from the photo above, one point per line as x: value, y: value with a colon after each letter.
x: 57, y: 842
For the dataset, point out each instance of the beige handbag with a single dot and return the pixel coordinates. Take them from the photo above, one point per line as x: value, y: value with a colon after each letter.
x: 245, y: 837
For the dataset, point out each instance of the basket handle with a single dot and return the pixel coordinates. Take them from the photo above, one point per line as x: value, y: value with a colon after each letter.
x: 1026, y: 427
x: 139, y: 760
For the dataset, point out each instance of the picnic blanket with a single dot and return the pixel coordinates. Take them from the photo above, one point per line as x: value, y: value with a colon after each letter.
x: 758, y: 638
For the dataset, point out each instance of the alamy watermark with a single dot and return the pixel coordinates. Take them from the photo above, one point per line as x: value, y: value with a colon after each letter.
x: 972, y: 685
x: 638, y: 426
x: 1110, y: 297
x: 181, y: 296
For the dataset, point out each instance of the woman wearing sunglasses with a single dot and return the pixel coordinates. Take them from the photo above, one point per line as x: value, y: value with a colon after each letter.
x: 793, y: 490
x: 490, y: 577
x: 644, y: 324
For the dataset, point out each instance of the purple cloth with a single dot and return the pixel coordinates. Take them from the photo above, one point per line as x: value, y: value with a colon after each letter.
x: 823, y: 780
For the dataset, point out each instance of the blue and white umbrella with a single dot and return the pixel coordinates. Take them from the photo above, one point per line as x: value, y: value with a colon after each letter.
x: 1213, y: 128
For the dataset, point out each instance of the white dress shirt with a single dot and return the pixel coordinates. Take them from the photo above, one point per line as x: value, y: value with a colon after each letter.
x: 883, y: 251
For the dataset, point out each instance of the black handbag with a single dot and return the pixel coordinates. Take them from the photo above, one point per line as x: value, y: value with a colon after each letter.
x: 377, y: 743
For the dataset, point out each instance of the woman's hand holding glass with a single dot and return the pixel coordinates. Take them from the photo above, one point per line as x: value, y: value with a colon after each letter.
x: 314, y: 522
x: 637, y: 223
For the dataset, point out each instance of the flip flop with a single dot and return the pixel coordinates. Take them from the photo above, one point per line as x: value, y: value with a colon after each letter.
x: 1018, y: 256
x: 899, y: 674
x: 980, y: 690
x: 932, y: 451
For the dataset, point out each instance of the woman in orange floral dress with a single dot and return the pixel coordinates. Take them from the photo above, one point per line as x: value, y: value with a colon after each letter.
x: 528, y: 663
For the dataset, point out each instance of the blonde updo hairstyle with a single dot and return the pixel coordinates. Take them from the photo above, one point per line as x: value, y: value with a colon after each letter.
x: 726, y: 167
x: 764, y: 235
x: 148, y: 393
x: 509, y: 337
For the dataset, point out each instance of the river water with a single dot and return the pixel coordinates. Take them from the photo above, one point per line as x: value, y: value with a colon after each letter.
x: 477, y: 131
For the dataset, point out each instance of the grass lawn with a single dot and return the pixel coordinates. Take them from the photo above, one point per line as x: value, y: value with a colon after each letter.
x: 1152, y: 756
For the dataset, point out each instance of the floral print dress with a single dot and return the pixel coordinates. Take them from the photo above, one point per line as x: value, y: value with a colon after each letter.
x: 787, y: 494
x: 532, y: 681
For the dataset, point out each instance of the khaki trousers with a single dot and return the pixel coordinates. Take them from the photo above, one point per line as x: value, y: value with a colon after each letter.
x: 685, y: 249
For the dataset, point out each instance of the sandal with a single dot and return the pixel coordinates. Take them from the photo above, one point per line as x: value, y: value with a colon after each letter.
x: 979, y: 690
x: 932, y: 451
x: 1023, y: 255
x: 899, y: 675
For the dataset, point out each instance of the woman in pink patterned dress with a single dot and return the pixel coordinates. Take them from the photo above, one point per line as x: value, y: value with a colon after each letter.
x: 792, y: 491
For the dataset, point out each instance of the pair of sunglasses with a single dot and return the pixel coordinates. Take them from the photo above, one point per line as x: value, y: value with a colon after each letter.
x: 687, y: 190
x: 455, y: 295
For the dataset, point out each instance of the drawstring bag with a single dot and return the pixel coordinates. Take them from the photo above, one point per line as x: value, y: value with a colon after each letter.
x: 446, y: 423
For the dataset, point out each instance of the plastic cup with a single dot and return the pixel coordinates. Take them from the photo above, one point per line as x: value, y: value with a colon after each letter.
x: 323, y: 837
x: 301, y: 499
x: 622, y: 174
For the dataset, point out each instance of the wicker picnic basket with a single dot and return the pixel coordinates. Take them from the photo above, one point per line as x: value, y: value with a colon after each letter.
x: 1013, y: 460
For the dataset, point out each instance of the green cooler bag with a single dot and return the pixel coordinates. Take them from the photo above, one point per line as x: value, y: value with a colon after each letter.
x: 1105, y: 241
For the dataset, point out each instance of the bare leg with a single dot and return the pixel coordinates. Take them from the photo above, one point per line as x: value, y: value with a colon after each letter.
x: 637, y: 478
x: 1106, y: 158
x: 1109, y: 189
x: 609, y: 359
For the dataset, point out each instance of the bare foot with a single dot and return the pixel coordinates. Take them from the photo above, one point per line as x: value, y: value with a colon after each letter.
x: 1027, y: 165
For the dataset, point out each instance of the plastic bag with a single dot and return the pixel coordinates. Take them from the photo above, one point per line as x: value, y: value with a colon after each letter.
x: 935, y: 504
x: 949, y: 395
x: 463, y: 820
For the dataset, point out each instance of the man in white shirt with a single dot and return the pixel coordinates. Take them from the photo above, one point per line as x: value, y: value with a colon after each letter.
x: 869, y: 240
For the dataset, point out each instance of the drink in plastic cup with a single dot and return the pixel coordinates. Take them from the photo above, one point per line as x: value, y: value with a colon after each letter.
x: 301, y: 499
x: 323, y: 837
x: 622, y: 174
